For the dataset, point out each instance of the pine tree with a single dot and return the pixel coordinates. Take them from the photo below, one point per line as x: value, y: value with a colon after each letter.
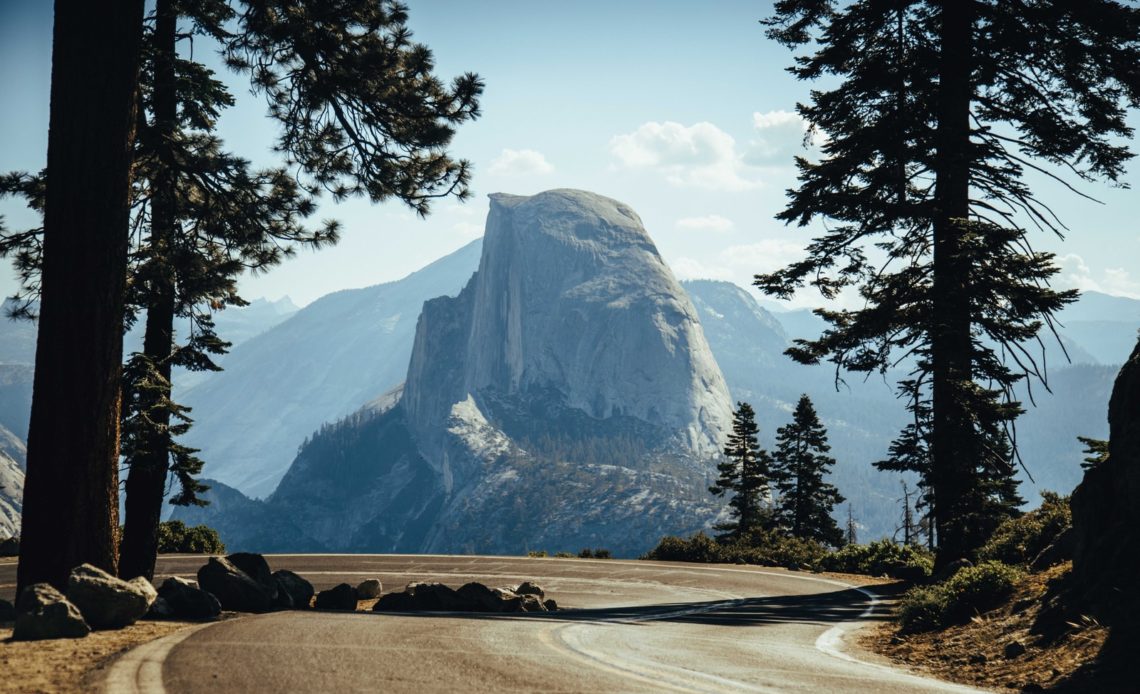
x: 851, y: 535
x: 939, y: 109
x: 743, y: 474
x: 203, y: 217
x: 70, y: 507
x: 799, y: 464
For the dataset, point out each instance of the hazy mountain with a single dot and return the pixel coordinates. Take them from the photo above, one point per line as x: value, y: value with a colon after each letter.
x: 11, y: 495
x: 565, y: 398
x: 321, y: 364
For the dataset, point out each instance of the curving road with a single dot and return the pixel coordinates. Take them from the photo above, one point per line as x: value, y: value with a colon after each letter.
x: 635, y: 627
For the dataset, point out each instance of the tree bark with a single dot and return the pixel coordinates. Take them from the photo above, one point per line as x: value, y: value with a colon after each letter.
x: 950, y: 345
x: 71, y: 491
x: 146, y: 478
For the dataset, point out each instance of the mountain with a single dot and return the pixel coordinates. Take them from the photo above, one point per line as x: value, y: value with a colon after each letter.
x: 319, y: 365
x: 11, y: 495
x: 566, y: 397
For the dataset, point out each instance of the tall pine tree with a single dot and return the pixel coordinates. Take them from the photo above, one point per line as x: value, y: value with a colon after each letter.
x: 939, y: 109
x: 799, y: 463
x: 743, y: 474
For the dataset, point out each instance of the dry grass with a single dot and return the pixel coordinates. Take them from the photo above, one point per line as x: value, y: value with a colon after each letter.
x: 975, y: 653
x: 71, y: 666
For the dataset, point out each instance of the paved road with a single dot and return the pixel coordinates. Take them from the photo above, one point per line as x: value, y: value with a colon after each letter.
x: 635, y: 627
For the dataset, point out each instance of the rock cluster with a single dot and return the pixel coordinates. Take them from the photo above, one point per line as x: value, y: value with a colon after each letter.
x: 470, y: 597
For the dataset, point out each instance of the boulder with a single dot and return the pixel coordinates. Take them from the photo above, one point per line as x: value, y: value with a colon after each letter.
x: 185, y: 600
x: 509, y: 601
x: 7, y: 611
x: 477, y: 597
x: 108, y: 602
x: 550, y: 605
x: 299, y: 590
x: 234, y: 589
x: 255, y: 566
x: 160, y: 609
x: 42, y: 612
x: 341, y: 597
x: 530, y: 588
x: 433, y: 597
x: 532, y: 603
x: 395, y: 602
x: 370, y: 588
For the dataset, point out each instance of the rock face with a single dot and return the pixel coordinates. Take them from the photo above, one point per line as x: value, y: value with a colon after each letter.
x: 1106, y: 511
x: 11, y: 495
x: 108, y: 602
x: 42, y: 612
x: 567, y: 397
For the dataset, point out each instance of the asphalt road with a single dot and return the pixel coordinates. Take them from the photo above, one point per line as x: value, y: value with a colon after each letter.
x: 631, y: 626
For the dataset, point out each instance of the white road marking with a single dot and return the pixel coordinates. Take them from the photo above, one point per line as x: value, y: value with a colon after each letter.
x: 139, y: 670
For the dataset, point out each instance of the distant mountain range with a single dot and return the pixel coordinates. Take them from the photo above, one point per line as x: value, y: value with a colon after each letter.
x: 293, y: 372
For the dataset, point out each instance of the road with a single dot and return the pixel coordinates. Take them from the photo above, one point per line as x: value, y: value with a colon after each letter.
x: 634, y: 627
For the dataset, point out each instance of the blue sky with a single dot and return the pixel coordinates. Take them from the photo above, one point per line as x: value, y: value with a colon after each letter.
x: 681, y: 110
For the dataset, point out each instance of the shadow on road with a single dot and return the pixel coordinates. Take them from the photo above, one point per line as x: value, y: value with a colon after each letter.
x: 819, y: 608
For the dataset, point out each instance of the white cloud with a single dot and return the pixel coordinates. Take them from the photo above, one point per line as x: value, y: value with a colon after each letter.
x: 711, y: 222
x: 693, y: 269
x: 520, y: 162
x: 700, y: 156
x: 1076, y: 274
x: 763, y: 256
x: 780, y: 135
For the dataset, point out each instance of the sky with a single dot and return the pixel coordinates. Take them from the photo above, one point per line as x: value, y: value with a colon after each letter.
x: 683, y: 111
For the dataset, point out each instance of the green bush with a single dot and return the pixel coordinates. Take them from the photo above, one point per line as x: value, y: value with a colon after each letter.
x: 765, y: 548
x: 563, y: 555
x: 878, y: 558
x: 536, y: 553
x: 1018, y: 541
x: 979, y: 588
x: 175, y: 537
x: 698, y: 548
x: 923, y: 609
x: 602, y: 553
x: 972, y: 590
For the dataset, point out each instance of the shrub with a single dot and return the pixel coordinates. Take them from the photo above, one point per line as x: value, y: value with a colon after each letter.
x: 602, y: 553
x: 972, y: 590
x: 586, y: 553
x: 10, y: 547
x: 979, y: 588
x: 536, y: 553
x: 878, y: 558
x: 698, y: 548
x: 175, y: 537
x: 1018, y: 541
x: 923, y: 609
x: 563, y: 555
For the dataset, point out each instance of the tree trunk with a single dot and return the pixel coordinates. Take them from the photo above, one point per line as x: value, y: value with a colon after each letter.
x: 71, y: 490
x: 950, y: 346
x: 146, y: 479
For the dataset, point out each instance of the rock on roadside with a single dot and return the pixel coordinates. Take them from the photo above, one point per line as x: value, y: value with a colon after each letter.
x: 42, y: 612
x: 234, y: 588
x: 340, y: 597
x: 185, y: 600
x: 7, y: 611
x: 369, y: 588
x: 470, y: 597
x: 106, y: 601
x: 299, y: 590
